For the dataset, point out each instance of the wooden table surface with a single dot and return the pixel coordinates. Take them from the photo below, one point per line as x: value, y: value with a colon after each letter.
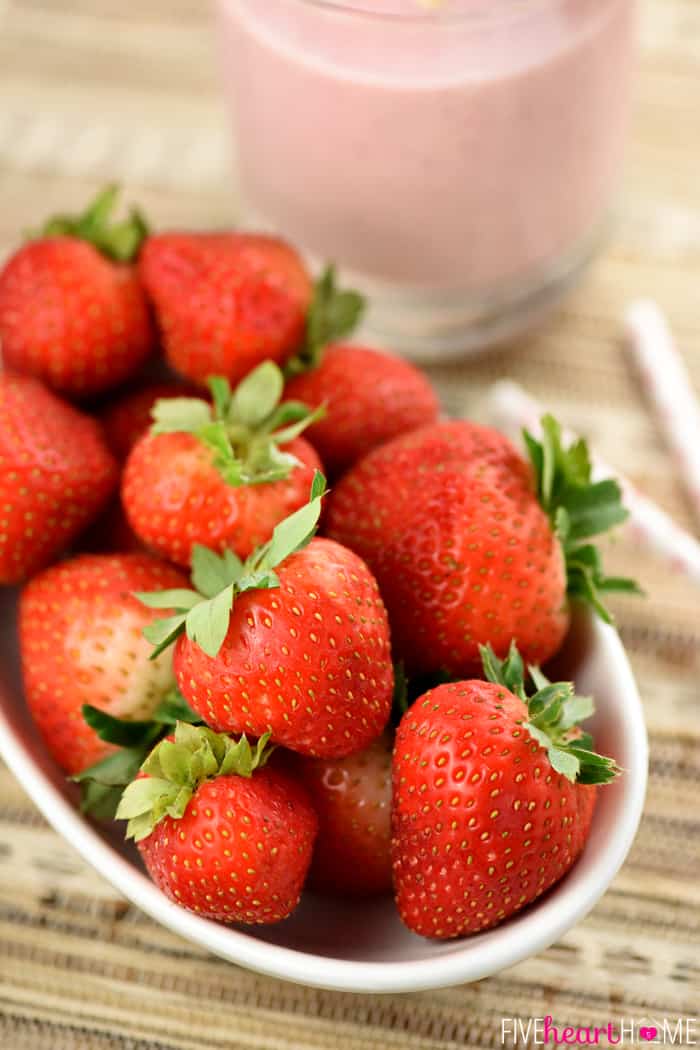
x: 95, y: 90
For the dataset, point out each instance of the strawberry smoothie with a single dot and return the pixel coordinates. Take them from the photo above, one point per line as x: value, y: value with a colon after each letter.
x: 458, y: 162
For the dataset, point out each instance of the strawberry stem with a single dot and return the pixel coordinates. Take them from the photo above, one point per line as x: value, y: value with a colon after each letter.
x: 578, y: 509
x: 244, y: 428
x: 176, y: 768
x: 555, y: 712
x: 120, y: 241
x: 333, y: 314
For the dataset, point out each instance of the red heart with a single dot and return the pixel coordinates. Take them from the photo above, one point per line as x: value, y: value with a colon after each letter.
x: 648, y: 1033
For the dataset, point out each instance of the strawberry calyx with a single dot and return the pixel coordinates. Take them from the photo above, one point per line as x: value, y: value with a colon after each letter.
x: 176, y: 767
x: 102, y: 784
x: 333, y: 314
x: 120, y: 241
x: 204, y: 612
x: 244, y: 428
x: 578, y: 509
x: 555, y: 712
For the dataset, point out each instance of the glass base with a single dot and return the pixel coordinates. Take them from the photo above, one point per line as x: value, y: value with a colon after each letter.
x: 430, y: 326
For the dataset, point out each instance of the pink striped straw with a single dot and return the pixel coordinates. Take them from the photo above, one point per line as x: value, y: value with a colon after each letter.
x: 511, y: 408
x: 669, y: 389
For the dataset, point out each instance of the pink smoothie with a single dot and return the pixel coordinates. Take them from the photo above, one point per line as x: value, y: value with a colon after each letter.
x: 466, y: 150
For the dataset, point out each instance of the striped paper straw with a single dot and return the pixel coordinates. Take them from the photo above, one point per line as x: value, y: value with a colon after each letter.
x: 669, y: 389
x: 511, y: 408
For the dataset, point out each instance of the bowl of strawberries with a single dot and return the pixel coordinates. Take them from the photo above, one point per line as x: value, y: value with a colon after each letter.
x: 377, y: 737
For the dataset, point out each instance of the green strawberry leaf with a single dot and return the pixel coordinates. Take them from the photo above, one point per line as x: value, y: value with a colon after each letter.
x: 258, y: 395
x: 578, y: 509
x: 102, y: 784
x: 120, y: 241
x: 179, y: 598
x: 207, y: 623
x: 220, y: 390
x: 173, y: 415
x: 243, y: 429
x: 212, y: 572
x: 176, y: 768
x: 118, y: 730
x: 162, y: 633
x: 295, y: 531
x: 555, y: 712
x: 334, y: 313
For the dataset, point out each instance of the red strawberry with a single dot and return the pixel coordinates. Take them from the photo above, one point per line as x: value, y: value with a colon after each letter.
x: 352, y: 797
x: 469, y: 545
x: 295, y: 642
x: 81, y: 643
x: 72, y: 311
x: 370, y: 398
x: 220, y: 476
x: 55, y: 476
x: 128, y: 418
x: 493, y: 799
x: 218, y: 833
x: 225, y: 302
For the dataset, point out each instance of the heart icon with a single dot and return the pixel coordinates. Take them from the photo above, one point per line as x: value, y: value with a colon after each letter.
x: 648, y: 1033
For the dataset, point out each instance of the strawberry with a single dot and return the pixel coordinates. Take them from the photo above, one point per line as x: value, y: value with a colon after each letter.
x: 72, y: 311
x: 370, y: 398
x: 471, y: 544
x: 219, y: 832
x: 56, y: 474
x: 294, y: 641
x: 81, y: 643
x: 352, y: 797
x: 219, y: 475
x: 129, y: 417
x: 493, y: 798
x: 225, y: 302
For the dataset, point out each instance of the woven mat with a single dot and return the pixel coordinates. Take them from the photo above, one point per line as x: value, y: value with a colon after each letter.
x: 92, y: 89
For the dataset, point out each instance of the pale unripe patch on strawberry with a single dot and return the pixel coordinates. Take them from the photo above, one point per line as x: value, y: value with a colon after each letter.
x: 110, y: 654
x: 81, y: 644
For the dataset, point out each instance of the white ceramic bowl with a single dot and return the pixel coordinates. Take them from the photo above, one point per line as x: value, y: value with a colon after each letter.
x: 365, y: 948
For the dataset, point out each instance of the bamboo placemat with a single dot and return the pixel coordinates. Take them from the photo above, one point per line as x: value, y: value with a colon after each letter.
x: 96, y: 89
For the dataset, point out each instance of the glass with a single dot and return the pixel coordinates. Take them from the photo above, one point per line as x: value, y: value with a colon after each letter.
x: 457, y: 159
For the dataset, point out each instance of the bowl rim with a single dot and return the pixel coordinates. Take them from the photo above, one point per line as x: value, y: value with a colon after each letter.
x: 537, y: 927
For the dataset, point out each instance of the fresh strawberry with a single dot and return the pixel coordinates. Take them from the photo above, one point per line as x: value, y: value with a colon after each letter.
x: 470, y: 544
x: 129, y: 417
x: 370, y: 398
x: 493, y: 798
x: 352, y: 797
x: 56, y: 474
x: 294, y: 642
x: 219, y: 833
x: 225, y: 302
x: 81, y: 643
x: 72, y: 311
x: 219, y: 475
